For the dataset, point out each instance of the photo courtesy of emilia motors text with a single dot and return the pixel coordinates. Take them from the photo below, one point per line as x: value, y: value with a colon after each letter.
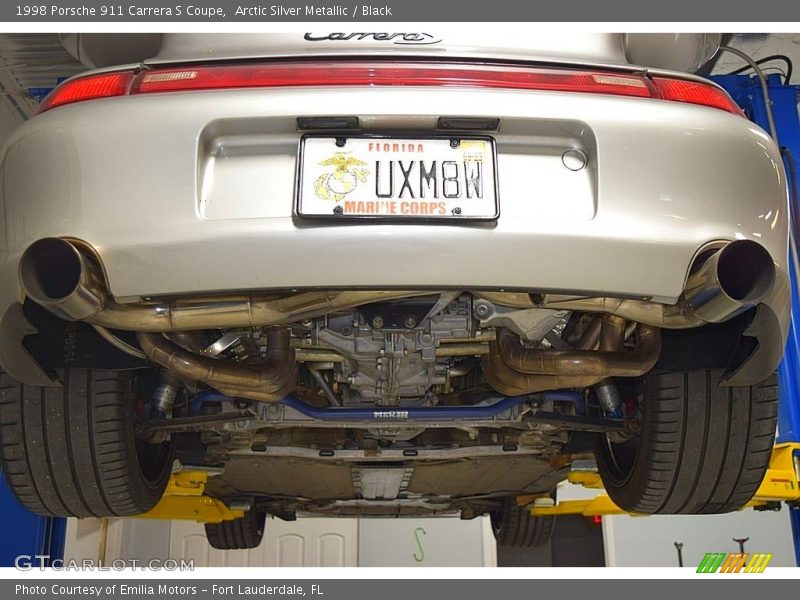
x: 397, y: 299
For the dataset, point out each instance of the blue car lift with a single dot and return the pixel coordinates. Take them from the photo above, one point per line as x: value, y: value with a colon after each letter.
x: 23, y: 533
x: 747, y: 92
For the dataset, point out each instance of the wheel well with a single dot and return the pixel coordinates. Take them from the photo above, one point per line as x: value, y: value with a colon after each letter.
x: 713, y: 346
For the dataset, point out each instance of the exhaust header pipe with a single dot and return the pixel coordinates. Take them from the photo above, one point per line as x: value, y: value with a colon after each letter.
x: 267, y: 381
x: 510, y: 368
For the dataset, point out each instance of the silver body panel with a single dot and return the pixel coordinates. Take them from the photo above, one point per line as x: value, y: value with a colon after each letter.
x: 173, y: 189
x: 192, y: 193
x: 598, y: 48
x: 676, y: 51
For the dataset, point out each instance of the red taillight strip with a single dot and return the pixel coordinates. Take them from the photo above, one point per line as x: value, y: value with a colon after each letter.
x: 299, y: 74
x: 389, y: 74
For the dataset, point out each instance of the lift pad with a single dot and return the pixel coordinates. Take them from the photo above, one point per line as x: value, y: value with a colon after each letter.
x: 781, y: 484
x: 185, y: 499
x: 782, y: 481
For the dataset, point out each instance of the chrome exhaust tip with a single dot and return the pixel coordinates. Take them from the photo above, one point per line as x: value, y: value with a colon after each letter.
x: 55, y: 274
x: 730, y: 281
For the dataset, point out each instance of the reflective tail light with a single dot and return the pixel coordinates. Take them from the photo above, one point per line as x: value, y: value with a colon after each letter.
x: 695, y: 92
x: 91, y: 87
x: 423, y: 74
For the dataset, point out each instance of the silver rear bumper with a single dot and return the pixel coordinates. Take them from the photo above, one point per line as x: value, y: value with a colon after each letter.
x: 193, y: 193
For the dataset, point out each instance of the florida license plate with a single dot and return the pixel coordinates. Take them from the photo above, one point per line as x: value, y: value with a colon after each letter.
x: 397, y: 178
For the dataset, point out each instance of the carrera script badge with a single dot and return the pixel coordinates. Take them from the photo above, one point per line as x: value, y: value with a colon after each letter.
x: 400, y: 39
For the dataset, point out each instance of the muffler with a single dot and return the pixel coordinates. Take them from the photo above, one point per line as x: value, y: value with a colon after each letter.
x: 722, y: 283
x: 66, y: 277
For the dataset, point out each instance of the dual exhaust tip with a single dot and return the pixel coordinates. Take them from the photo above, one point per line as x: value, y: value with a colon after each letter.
x: 63, y: 278
x: 66, y: 277
x: 729, y: 281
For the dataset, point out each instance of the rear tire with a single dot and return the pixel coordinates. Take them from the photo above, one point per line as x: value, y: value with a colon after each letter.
x: 703, y: 449
x: 72, y: 452
x: 238, y: 534
x: 515, y: 527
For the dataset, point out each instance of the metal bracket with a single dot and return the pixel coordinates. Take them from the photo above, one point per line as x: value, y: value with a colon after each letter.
x: 532, y: 324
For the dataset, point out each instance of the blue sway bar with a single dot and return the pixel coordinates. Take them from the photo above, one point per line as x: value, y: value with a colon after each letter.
x: 410, y: 413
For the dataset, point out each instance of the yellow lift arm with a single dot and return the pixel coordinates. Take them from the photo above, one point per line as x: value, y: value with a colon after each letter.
x: 781, y: 483
x: 185, y: 498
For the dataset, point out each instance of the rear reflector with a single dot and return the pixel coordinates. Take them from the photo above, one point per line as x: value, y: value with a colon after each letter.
x: 307, y: 74
x: 695, y: 92
x: 105, y: 85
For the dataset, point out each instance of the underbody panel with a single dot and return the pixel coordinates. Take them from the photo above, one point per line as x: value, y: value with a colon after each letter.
x: 388, y: 488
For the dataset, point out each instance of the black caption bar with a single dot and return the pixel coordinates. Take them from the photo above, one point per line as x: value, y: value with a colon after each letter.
x: 116, y: 11
x: 267, y: 588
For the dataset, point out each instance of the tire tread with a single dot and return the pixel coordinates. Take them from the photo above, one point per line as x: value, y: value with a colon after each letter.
x: 71, y: 451
x: 515, y: 527
x: 238, y: 534
x: 704, y: 448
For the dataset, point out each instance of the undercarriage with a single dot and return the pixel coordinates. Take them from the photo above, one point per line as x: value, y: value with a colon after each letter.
x: 400, y: 402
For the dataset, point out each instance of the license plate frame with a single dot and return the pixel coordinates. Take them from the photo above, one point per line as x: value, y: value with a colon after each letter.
x: 492, y: 209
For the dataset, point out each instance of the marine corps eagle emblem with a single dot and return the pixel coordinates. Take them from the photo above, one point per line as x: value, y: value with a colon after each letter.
x: 347, y: 173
